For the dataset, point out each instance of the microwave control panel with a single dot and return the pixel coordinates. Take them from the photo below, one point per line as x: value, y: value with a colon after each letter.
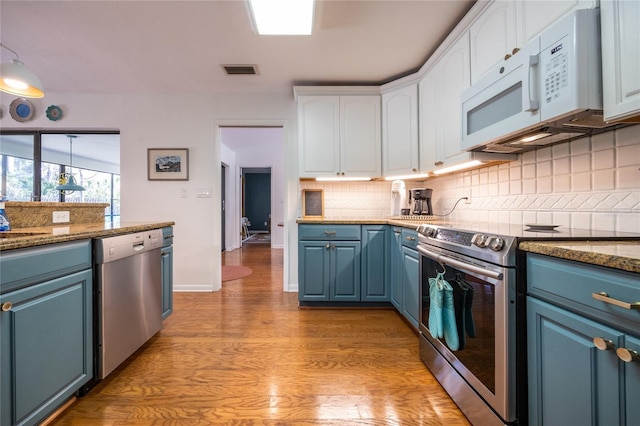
x: 555, y: 71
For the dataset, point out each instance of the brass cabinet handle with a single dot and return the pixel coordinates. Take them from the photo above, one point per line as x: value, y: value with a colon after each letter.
x: 604, y: 297
x: 168, y: 237
x: 6, y: 306
x: 628, y: 355
x: 603, y: 344
x: 414, y: 170
x: 410, y: 238
x: 515, y: 50
x: 507, y: 56
x: 327, y: 233
x: 333, y: 246
x: 438, y: 163
x: 327, y: 246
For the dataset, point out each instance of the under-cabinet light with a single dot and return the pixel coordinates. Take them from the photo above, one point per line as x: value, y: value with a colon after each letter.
x: 408, y: 177
x: 343, y: 179
x: 283, y: 17
x: 457, y: 167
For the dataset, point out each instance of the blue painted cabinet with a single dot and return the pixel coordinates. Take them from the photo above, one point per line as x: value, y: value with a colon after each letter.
x: 329, y: 271
x: 405, y: 273
x: 376, y: 253
x: 410, y: 283
x: 583, y: 366
x: 396, y: 268
x: 46, y: 329
x: 167, y: 271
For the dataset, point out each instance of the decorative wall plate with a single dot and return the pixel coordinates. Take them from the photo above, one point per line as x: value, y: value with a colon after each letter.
x: 21, y: 109
x: 54, y: 113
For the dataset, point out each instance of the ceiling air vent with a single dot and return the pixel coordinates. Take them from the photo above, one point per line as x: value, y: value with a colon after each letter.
x: 240, y: 69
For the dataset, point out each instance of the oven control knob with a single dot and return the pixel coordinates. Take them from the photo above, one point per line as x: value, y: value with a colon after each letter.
x: 480, y: 240
x: 429, y: 231
x: 496, y: 243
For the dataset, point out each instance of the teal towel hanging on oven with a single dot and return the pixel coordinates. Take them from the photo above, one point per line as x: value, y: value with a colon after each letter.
x: 442, y: 321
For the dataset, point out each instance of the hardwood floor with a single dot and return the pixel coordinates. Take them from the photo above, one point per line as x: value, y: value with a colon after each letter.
x: 247, y: 355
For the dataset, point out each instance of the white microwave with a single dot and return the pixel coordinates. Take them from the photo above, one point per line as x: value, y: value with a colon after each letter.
x: 549, y: 91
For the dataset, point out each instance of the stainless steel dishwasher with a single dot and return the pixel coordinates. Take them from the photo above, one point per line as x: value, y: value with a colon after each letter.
x: 128, y: 295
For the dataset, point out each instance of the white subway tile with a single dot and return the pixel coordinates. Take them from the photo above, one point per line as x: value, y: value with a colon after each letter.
x: 581, y: 220
x: 629, y: 222
x: 603, y: 221
x: 628, y: 136
x: 629, y: 155
x: 581, y: 163
x: 543, y: 154
x: 562, y: 183
x: 543, y: 168
x: 529, y: 157
x: 628, y: 177
x: 561, y: 150
x: 580, y: 146
x: 561, y: 219
x: 544, y: 185
x: 562, y: 166
x: 529, y: 186
x: 528, y: 171
x: 603, y: 180
x: 515, y: 187
x: 581, y: 181
x: 603, y: 141
x: 603, y: 160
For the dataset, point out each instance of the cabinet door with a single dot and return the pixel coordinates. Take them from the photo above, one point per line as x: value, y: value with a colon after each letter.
x: 46, y: 346
x: 410, y: 284
x: 492, y: 36
x: 620, y: 58
x: 314, y: 270
x: 570, y: 380
x: 345, y: 271
x: 429, y: 116
x: 360, y: 141
x: 400, y: 131
x: 454, y: 79
x: 319, y: 136
x: 632, y: 383
x: 396, y: 268
x: 166, y: 256
x: 536, y: 16
x: 375, y: 263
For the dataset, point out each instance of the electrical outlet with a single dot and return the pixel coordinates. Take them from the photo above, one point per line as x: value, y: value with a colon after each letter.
x: 60, y: 217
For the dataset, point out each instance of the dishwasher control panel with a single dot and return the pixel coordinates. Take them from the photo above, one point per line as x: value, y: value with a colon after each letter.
x: 114, y: 248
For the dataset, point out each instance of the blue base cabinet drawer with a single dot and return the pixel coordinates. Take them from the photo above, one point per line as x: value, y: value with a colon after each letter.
x: 329, y: 232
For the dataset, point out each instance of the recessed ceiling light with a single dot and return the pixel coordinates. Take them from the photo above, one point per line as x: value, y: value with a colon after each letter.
x: 282, y: 17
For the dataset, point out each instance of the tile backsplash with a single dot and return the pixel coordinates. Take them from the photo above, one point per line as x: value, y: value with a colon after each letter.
x: 587, y: 183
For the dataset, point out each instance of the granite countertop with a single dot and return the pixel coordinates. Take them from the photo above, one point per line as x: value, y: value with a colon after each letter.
x: 42, y: 235
x: 621, y: 255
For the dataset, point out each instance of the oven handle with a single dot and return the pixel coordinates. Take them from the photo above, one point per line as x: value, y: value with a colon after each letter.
x: 446, y: 260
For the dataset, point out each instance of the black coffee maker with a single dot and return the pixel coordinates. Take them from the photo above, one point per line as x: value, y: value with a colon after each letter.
x: 420, y: 201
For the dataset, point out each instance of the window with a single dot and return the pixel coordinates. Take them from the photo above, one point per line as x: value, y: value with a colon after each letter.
x: 31, y: 163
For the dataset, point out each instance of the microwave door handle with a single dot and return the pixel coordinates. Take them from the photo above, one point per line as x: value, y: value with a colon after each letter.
x: 531, y: 104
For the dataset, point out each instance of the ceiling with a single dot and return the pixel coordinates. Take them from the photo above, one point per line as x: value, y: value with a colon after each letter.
x: 179, y: 46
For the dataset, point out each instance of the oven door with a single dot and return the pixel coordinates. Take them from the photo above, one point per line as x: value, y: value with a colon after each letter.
x: 504, y: 102
x: 485, y: 321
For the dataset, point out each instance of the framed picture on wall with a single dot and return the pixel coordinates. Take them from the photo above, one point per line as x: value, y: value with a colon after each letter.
x: 312, y: 204
x: 168, y: 164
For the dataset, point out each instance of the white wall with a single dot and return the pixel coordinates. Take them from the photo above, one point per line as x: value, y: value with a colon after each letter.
x: 175, y: 121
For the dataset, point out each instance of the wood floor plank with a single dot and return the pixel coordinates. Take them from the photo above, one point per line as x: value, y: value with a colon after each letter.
x: 248, y: 355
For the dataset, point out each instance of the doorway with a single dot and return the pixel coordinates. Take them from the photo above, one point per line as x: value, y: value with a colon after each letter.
x: 256, y: 199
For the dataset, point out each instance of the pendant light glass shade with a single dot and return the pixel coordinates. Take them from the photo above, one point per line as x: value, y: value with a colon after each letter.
x: 66, y: 182
x: 17, y: 80
x: 70, y: 185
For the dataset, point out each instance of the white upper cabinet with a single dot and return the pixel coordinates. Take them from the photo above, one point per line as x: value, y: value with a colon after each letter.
x: 360, y: 141
x: 491, y: 37
x: 339, y: 136
x: 400, y: 131
x: 535, y: 16
x: 440, y: 119
x: 620, y: 22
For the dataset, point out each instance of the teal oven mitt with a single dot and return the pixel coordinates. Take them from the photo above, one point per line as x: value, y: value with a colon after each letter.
x: 449, y: 318
x: 435, y: 306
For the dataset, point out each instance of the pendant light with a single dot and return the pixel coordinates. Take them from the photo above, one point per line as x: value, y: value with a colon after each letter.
x: 66, y: 182
x: 16, y: 79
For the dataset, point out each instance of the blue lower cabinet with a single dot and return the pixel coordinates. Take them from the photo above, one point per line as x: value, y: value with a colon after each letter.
x: 329, y: 270
x: 46, y: 346
x: 396, y: 268
x: 167, y: 271
x: 375, y: 257
x: 571, y: 382
x: 410, y: 285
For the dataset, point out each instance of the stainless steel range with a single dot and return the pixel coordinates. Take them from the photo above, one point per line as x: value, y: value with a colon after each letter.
x: 474, y: 339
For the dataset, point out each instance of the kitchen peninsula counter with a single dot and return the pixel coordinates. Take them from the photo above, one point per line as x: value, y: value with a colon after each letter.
x: 620, y: 255
x: 37, y: 236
